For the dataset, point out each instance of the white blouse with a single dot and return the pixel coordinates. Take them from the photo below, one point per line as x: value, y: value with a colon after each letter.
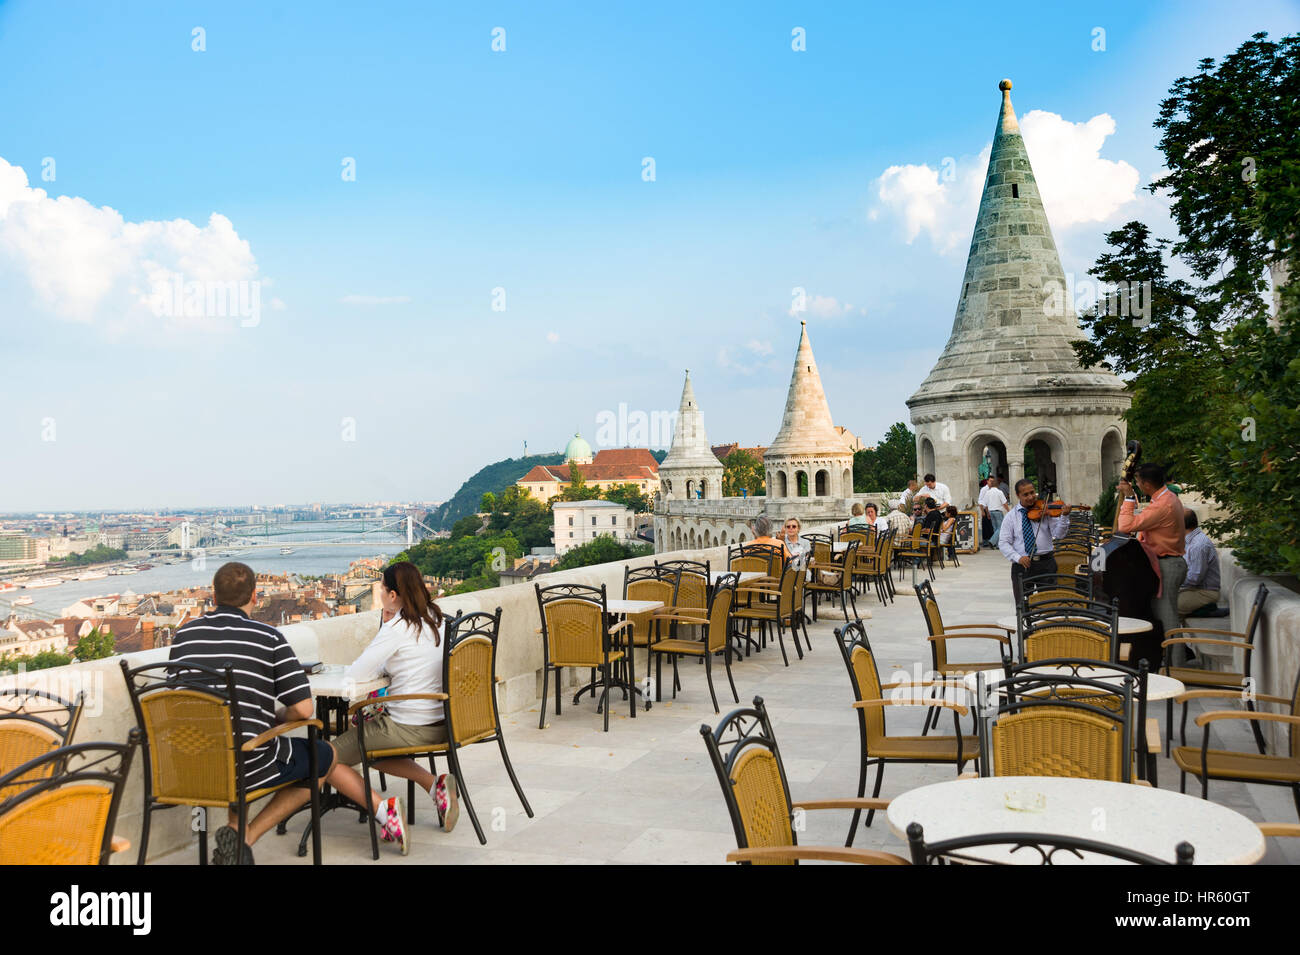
x: 413, y: 664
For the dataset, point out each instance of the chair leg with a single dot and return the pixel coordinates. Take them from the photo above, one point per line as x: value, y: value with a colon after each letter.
x: 727, y: 659
x: 541, y: 713
x: 605, y: 675
x: 875, y: 790
x: 410, y: 801
x: 374, y: 834
x: 453, y: 760
x: 1254, y: 725
x: 659, y: 677
x: 1295, y: 795
x: 1182, y: 782
x: 510, y: 771
x: 676, y: 684
x: 862, y: 791
x: 1169, y: 725
x: 203, y: 843
x: 144, y: 833
x: 781, y: 640
x: 708, y: 675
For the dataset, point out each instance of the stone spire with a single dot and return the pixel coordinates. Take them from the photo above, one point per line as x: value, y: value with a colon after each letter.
x: 807, y: 441
x: 806, y: 426
x: 1008, y: 379
x: 1014, y: 320
x: 690, y: 462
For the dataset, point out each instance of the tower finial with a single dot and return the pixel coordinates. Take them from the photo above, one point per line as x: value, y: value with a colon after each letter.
x: 1005, y: 86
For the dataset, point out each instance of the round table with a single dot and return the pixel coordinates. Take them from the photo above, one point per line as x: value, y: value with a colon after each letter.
x: 1159, y: 687
x: 1140, y: 818
x: 1127, y: 625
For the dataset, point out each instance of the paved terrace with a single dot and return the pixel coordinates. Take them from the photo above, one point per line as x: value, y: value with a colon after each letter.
x: 645, y: 793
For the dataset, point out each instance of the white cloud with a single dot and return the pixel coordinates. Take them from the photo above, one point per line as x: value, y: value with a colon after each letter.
x: 759, y: 348
x: 375, y: 299
x: 823, y: 306
x: 552, y: 337
x: 1076, y: 183
x: 88, y: 264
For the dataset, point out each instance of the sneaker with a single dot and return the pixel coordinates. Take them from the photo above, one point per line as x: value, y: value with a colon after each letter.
x: 445, y: 797
x: 394, y: 829
x: 228, y: 850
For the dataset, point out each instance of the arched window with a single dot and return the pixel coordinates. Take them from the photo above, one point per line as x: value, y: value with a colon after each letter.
x: 823, y: 484
x: 782, y: 488
x: 801, y: 482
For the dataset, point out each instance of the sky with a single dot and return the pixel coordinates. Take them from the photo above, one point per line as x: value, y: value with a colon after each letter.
x: 287, y: 252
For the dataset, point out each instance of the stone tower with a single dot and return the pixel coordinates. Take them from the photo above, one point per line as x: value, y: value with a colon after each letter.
x: 1007, y: 387
x: 808, y: 457
x: 690, y: 466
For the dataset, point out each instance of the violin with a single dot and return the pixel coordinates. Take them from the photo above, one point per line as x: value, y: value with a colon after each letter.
x: 1043, y: 508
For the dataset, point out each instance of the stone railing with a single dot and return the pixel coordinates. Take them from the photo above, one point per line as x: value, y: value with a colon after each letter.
x: 338, y: 640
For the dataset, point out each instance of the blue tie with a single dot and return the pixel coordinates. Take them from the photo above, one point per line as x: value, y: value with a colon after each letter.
x: 1031, y: 543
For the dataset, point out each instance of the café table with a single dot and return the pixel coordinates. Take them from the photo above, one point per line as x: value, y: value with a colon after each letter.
x: 745, y: 576
x: 1127, y: 625
x: 1159, y: 687
x: 615, y: 608
x: 334, y: 692
x: 1140, y: 818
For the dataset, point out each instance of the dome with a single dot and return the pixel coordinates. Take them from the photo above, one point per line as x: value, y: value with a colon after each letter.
x: 578, y: 450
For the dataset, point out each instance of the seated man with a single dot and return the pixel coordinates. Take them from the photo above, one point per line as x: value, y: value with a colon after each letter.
x: 900, y: 520
x: 874, y: 518
x: 762, y: 528
x: 933, y: 519
x: 1202, y: 584
x: 271, y: 688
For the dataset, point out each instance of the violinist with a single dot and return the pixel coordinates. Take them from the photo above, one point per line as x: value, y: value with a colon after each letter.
x: 1029, y: 534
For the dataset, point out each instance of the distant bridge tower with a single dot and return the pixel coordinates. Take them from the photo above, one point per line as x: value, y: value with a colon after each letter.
x: 410, y: 530
x: 185, y: 537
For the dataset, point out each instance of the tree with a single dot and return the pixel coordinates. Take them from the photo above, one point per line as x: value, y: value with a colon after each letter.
x: 602, y: 550
x: 466, y: 526
x: 889, y: 465
x: 488, y: 502
x: 578, y: 490
x: 94, y: 646
x: 741, y: 472
x: 629, y: 495
x: 45, y: 660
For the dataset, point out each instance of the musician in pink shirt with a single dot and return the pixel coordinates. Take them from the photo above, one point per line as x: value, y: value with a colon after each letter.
x: 1160, y: 529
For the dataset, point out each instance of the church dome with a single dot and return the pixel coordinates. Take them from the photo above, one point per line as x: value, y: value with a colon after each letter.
x: 578, y: 450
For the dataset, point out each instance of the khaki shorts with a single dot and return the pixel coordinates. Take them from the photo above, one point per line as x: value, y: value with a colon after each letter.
x: 383, y: 732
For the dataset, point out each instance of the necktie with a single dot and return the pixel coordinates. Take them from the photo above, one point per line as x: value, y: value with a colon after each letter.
x: 1031, y: 543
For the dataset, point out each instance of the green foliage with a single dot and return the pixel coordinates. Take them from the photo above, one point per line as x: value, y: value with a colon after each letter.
x: 741, y: 471
x: 525, y: 518
x: 1104, y: 510
x: 578, y: 489
x: 94, y: 646
x: 468, y: 525
x: 890, y: 464
x: 464, y: 557
x: 629, y: 495
x: 45, y: 660
x: 494, y: 478
x: 602, y: 550
x: 96, y: 555
x: 1254, y: 442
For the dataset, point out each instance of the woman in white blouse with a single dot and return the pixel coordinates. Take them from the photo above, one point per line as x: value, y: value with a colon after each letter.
x: 409, y: 648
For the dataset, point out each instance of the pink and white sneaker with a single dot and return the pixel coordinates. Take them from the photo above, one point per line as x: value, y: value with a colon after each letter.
x: 447, y: 799
x: 394, y: 828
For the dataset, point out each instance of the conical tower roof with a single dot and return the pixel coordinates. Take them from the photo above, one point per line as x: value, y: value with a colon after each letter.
x: 806, y: 427
x: 1015, y: 318
x: 690, y: 448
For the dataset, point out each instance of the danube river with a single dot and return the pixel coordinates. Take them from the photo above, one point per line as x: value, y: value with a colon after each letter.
x: 305, y: 560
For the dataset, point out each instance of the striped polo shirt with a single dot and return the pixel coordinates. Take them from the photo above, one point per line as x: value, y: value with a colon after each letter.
x: 267, y: 675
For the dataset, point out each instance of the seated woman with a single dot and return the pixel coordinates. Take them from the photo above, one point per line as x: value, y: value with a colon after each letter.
x: 797, y: 547
x: 409, y: 648
x: 946, y: 530
x: 858, y: 522
x: 762, y: 528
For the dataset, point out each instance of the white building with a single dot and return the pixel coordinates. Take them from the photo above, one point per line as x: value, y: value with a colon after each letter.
x: 580, y: 522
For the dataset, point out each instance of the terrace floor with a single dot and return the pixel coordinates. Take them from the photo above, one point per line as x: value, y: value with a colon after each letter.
x: 645, y: 793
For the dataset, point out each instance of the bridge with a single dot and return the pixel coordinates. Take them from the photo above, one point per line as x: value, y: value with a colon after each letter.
x: 344, y: 532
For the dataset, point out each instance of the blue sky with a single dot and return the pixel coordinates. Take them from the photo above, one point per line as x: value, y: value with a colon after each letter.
x: 378, y: 368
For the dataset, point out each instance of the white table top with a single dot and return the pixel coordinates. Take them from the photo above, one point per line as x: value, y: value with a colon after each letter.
x: 1158, y: 687
x: 1127, y: 625
x: 1139, y: 818
x: 633, y: 606
x: 332, y: 682
x: 744, y: 575
x: 839, y: 547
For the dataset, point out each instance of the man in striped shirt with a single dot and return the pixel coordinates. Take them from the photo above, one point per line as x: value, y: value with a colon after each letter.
x: 271, y: 688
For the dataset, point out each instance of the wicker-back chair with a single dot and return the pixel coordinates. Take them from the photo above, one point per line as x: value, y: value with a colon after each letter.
x: 33, y: 723
x: 1061, y: 725
x: 1086, y: 631
x: 189, y: 715
x: 914, y: 550
x: 964, y: 850
x: 1229, y: 765
x: 1040, y: 590
x: 941, y: 633
x: 693, y: 583
x: 745, y: 757
x: 876, y: 744
x: 1235, y: 680
x: 469, y: 677
x: 648, y: 583
x: 66, y: 818
x: 835, y: 579
x: 576, y: 634
x: 783, y: 607
x: 715, y: 638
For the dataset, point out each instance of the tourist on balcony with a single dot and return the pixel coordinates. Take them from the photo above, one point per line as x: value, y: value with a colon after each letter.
x: 1201, y: 588
x: 933, y: 519
x: 858, y: 520
x: 797, y: 546
x: 946, y: 530
x: 993, y: 504
x: 900, y: 520
x: 875, y: 520
x: 762, y: 528
x: 409, y: 648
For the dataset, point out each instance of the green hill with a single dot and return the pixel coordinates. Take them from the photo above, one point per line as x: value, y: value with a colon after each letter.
x: 495, y: 478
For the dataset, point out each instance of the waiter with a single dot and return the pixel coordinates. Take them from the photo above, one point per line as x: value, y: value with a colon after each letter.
x: 1160, y: 528
x: 1030, y: 545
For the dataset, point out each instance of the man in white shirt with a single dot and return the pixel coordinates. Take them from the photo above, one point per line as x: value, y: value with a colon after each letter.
x: 993, y: 504
x: 1030, y: 546
x: 935, y: 490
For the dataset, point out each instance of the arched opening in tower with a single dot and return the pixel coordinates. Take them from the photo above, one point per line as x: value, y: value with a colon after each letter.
x: 801, y: 482
x: 1112, y: 458
x: 1041, y: 465
x: 823, y: 484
